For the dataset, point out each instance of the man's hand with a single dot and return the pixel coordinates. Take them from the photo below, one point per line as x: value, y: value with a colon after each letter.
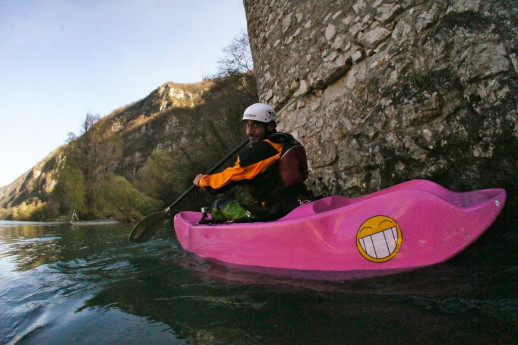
x: 197, y: 180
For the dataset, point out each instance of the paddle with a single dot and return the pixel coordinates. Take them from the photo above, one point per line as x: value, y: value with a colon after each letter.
x: 148, y: 225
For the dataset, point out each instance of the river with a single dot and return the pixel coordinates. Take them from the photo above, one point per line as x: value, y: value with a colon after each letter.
x: 69, y: 284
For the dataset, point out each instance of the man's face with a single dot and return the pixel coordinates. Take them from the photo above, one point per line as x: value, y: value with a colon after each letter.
x: 255, y: 131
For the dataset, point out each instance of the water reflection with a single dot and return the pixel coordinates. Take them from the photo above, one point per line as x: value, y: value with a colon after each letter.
x: 61, y: 284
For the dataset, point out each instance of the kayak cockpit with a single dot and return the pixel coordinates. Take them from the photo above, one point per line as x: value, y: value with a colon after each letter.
x: 319, y: 206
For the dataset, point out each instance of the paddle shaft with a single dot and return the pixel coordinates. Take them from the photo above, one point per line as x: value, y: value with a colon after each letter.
x: 214, y: 168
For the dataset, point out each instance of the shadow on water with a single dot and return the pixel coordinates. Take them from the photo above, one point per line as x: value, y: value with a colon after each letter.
x: 61, y: 284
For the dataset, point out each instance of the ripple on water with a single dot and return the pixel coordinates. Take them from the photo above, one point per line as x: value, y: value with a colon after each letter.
x: 65, y: 285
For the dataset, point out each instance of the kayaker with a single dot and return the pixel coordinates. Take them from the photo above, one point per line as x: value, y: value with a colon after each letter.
x: 274, y: 167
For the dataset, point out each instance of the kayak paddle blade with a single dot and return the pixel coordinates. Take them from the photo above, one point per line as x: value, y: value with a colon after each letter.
x: 148, y: 226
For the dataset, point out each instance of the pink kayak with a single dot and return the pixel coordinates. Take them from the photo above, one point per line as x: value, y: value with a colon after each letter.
x: 413, y: 224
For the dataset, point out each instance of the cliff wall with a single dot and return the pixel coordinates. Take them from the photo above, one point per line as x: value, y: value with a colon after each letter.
x: 384, y: 91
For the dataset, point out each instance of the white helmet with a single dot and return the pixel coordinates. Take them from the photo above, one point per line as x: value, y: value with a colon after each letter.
x: 260, y: 112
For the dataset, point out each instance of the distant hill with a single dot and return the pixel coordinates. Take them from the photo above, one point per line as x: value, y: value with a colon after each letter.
x: 147, y: 152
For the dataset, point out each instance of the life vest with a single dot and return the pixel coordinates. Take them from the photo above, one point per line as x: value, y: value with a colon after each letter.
x: 293, y: 163
x: 273, y: 169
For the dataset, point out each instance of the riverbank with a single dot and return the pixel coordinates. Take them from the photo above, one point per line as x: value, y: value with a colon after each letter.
x: 10, y: 223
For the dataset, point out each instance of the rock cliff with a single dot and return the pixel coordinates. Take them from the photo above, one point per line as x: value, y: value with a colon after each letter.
x: 384, y: 91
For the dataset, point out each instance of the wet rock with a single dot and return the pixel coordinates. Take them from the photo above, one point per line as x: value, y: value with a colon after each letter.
x: 389, y: 91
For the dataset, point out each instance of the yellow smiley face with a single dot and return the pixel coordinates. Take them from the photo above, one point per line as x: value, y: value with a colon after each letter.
x: 379, y: 239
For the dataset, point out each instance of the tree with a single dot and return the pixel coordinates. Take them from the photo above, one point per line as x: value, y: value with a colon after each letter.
x: 90, y: 121
x: 238, y: 57
x: 118, y: 198
x: 165, y: 175
x: 69, y: 193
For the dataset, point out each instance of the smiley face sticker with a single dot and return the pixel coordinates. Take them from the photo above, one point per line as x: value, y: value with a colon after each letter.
x: 379, y: 239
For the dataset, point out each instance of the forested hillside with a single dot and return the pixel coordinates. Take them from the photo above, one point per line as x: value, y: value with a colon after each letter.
x: 139, y: 158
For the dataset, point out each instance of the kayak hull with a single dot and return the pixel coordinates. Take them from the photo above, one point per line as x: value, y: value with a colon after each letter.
x: 414, y: 224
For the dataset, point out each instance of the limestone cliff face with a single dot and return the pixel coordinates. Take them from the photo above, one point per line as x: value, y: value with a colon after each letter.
x: 33, y: 186
x: 384, y: 91
x: 159, y: 121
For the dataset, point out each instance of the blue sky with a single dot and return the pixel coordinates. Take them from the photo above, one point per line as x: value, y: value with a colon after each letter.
x: 62, y: 59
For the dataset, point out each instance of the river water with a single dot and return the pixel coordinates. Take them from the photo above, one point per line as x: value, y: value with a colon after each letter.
x: 69, y: 284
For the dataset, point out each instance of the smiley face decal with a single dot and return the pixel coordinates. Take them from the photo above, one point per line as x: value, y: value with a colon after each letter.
x: 379, y: 239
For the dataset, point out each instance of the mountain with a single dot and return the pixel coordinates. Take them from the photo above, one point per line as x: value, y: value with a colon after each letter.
x: 148, y: 150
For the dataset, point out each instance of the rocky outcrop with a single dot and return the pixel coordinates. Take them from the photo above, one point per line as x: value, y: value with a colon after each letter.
x: 34, y: 186
x: 155, y: 122
x: 384, y: 91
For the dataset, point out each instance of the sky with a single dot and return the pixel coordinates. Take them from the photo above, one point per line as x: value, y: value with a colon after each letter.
x: 63, y: 59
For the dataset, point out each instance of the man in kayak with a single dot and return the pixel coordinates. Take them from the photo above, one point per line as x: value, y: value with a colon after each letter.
x: 274, y: 167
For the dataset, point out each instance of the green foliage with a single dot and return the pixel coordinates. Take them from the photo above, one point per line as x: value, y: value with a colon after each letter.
x: 69, y: 193
x: 117, y: 198
x: 164, y: 175
x: 84, y: 186
x: 27, y: 211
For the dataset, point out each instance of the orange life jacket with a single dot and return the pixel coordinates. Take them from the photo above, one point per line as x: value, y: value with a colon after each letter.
x: 274, y: 169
